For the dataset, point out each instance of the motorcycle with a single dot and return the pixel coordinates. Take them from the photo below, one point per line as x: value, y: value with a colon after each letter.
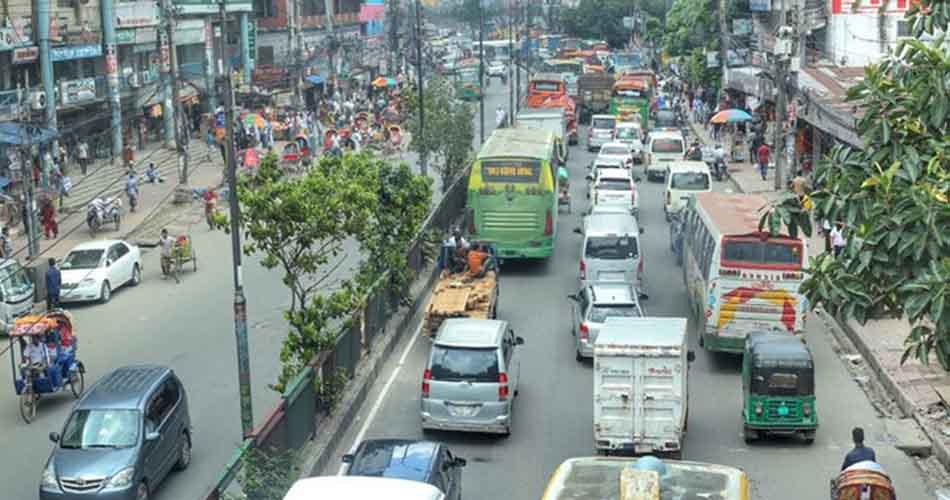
x: 719, y: 169
x: 101, y: 211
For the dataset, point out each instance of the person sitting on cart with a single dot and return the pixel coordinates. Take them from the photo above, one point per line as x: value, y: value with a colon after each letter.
x: 478, y: 259
x: 35, y: 356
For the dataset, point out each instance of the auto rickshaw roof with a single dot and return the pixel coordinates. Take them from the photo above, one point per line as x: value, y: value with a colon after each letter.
x: 778, y: 349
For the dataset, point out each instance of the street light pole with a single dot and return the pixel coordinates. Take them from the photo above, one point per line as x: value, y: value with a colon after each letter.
x: 422, y: 104
x: 481, y: 70
x: 511, y: 60
x: 240, y: 302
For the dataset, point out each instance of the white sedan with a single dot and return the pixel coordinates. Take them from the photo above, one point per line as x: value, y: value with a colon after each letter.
x: 92, y: 270
x: 619, y: 152
x: 497, y: 68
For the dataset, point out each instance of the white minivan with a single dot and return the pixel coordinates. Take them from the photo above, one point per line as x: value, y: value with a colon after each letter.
x: 611, y: 249
x: 683, y: 180
x: 664, y: 147
x: 16, y: 293
x: 357, y: 487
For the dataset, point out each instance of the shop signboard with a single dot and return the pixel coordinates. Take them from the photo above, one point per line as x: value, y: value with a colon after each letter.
x: 760, y: 5
x: 190, y: 31
x: 135, y: 14
x: 741, y: 27
x: 124, y: 37
x: 18, y: 33
x: 25, y: 55
x: 77, y: 91
x: 72, y: 52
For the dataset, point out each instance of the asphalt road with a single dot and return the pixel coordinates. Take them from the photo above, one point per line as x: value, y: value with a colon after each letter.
x: 188, y: 327
x: 553, y: 412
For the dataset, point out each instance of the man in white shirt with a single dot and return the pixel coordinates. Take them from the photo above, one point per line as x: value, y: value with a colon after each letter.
x: 35, y: 355
x: 837, y: 239
x: 83, y: 150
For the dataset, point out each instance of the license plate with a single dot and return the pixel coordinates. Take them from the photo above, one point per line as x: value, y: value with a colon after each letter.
x: 614, y: 276
x: 463, y: 410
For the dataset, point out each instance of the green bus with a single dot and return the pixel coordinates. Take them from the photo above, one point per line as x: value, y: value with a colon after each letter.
x: 467, y: 84
x: 512, y: 193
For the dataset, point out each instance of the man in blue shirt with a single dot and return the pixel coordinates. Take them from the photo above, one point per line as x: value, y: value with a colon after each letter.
x: 860, y: 453
x: 54, y: 281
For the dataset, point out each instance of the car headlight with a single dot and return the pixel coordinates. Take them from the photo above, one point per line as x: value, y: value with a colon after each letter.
x: 48, y: 481
x: 87, y: 282
x: 123, y: 478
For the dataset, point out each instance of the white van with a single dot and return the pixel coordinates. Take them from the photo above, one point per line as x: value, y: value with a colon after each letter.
x: 16, y: 293
x: 360, y: 487
x: 611, y: 249
x: 664, y: 147
x: 684, y: 179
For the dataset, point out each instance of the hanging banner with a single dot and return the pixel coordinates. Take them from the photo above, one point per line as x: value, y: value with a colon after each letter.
x: 189, y: 32
x: 760, y: 5
x: 135, y: 14
x: 25, y: 55
x: 17, y: 34
x: 71, y: 52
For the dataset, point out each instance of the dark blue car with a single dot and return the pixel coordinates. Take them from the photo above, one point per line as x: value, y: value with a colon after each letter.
x: 423, y: 461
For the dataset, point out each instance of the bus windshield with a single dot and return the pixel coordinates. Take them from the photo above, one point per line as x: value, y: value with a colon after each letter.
x: 778, y: 254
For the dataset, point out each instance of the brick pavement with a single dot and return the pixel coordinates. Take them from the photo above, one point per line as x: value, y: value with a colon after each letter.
x: 921, y: 391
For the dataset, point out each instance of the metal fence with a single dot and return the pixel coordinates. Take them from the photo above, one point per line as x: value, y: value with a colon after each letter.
x: 301, y: 412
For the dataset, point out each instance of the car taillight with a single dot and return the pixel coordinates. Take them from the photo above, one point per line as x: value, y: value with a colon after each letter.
x: 669, y: 198
x: 502, y: 386
x: 585, y: 331
x: 426, y: 377
x: 548, y: 223
x: 633, y: 195
x: 583, y: 270
x: 640, y: 266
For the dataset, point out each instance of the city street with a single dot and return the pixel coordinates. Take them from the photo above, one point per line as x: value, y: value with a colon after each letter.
x: 553, y: 412
x: 188, y: 327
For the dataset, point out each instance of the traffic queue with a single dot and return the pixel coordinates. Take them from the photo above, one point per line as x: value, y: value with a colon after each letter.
x: 743, y: 288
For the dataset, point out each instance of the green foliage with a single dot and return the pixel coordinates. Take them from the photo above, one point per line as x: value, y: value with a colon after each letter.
x: 892, y: 198
x: 598, y: 19
x: 315, y: 227
x: 330, y: 388
x: 468, y: 12
x: 691, y: 24
x: 267, y: 474
x: 449, y: 129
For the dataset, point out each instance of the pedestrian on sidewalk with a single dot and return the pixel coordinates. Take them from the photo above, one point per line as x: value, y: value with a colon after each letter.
x: 48, y: 216
x: 83, y: 150
x: 838, y: 241
x: 54, y: 280
x: 763, y: 156
x: 132, y: 190
x: 825, y: 231
x: 859, y: 453
x: 63, y: 158
x: 6, y: 247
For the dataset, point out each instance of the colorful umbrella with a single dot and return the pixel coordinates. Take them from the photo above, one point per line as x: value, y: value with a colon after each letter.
x: 383, y: 81
x: 730, y: 116
x: 250, y: 158
x: 254, y: 120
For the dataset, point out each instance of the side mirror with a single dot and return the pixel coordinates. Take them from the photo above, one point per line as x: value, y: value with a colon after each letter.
x: 573, y: 297
x: 459, y: 462
x: 589, y: 177
x: 519, y: 340
x: 642, y: 296
x: 690, y: 357
x: 348, y: 458
x: 108, y: 262
x: 578, y: 230
x: 638, y: 179
x: 54, y: 437
x: 641, y: 230
x: 152, y: 436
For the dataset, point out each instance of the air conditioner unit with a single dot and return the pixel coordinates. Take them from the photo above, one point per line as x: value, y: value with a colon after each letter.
x: 38, y: 100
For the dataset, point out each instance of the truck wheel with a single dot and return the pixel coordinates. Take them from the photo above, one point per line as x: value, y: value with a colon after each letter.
x: 808, y: 437
x: 750, y: 435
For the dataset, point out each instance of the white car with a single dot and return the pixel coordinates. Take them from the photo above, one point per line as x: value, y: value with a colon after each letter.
x: 619, y: 152
x: 497, y: 68
x: 92, y: 270
x: 615, y: 186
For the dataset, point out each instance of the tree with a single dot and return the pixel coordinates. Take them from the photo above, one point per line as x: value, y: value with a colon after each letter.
x: 316, y: 227
x: 469, y: 13
x: 598, y: 19
x: 891, y: 197
x: 449, y: 129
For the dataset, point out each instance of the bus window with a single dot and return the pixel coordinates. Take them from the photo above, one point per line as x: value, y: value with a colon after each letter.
x: 780, y: 253
x: 769, y: 254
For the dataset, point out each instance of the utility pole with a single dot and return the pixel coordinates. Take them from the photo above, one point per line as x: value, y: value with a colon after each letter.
x: 723, y: 41
x: 334, y: 46
x: 422, y: 103
x: 526, y: 46
x: 293, y: 54
x: 392, y: 20
x: 784, y: 41
x: 516, y: 57
x: 180, y: 122
x: 240, y: 302
x: 481, y: 70
x: 26, y: 172
x: 511, y: 59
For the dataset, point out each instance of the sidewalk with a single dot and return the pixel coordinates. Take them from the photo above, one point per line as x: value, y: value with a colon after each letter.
x: 105, y: 179
x: 922, y: 392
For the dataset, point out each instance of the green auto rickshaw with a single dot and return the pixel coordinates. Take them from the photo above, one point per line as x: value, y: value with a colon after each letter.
x: 778, y: 387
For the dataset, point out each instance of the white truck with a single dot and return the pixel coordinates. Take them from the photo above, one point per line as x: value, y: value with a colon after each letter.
x: 640, y: 386
x: 551, y: 119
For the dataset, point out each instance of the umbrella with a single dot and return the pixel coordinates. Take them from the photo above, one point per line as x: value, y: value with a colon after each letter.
x: 383, y: 81
x: 250, y: 158
x: 255, y: 120
x: 730, y: 116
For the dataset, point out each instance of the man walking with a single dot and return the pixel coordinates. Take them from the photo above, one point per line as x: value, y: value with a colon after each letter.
x: 83, y: 150
x: 54, y: 280
x: 763, y: 157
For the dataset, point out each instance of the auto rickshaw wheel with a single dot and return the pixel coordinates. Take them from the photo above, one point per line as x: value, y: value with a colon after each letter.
x: 750, y: 435
x: 808, y: 437
x: 28, y: 403
x: 80, y: 380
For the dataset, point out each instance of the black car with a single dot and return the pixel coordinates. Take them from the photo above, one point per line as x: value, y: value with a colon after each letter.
x: 665, y: 118
x: 423, y: 461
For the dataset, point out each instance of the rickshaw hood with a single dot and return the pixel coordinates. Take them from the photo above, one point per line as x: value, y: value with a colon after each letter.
x: 92, y: 462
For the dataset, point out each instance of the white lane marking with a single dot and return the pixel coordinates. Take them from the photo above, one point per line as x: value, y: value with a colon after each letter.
x: 382, y: 395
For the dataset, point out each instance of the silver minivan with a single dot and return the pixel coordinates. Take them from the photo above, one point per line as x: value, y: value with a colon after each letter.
x: 471, y: 379
x: 591, y: 307
x: 611, y: 249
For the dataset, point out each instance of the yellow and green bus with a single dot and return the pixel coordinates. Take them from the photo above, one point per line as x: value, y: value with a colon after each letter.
x: 620, y: 478
x: 512, y: 193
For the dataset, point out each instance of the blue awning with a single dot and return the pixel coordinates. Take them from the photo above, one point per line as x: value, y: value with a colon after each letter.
x: 314, y: 79
x: 18, y: 134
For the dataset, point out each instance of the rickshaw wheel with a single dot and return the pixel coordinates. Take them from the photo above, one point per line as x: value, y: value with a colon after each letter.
x: 28, y: 402
x: 81, y: 381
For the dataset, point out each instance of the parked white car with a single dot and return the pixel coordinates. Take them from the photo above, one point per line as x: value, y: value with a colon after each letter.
x: 92, y: 270
x: 615, y: 186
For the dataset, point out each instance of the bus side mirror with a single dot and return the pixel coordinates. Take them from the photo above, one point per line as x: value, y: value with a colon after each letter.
x: 690, y: 357
x: 578, y: 230
x: 641, y: 230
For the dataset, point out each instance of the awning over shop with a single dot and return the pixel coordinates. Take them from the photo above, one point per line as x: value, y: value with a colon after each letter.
x: 822, y: 101
x: 314, y: 80
x: 18, y: 134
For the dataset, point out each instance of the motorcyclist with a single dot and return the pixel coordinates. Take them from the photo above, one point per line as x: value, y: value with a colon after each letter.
x: 719, y: 160
x: 694, y: 153
x: 132, y: 190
